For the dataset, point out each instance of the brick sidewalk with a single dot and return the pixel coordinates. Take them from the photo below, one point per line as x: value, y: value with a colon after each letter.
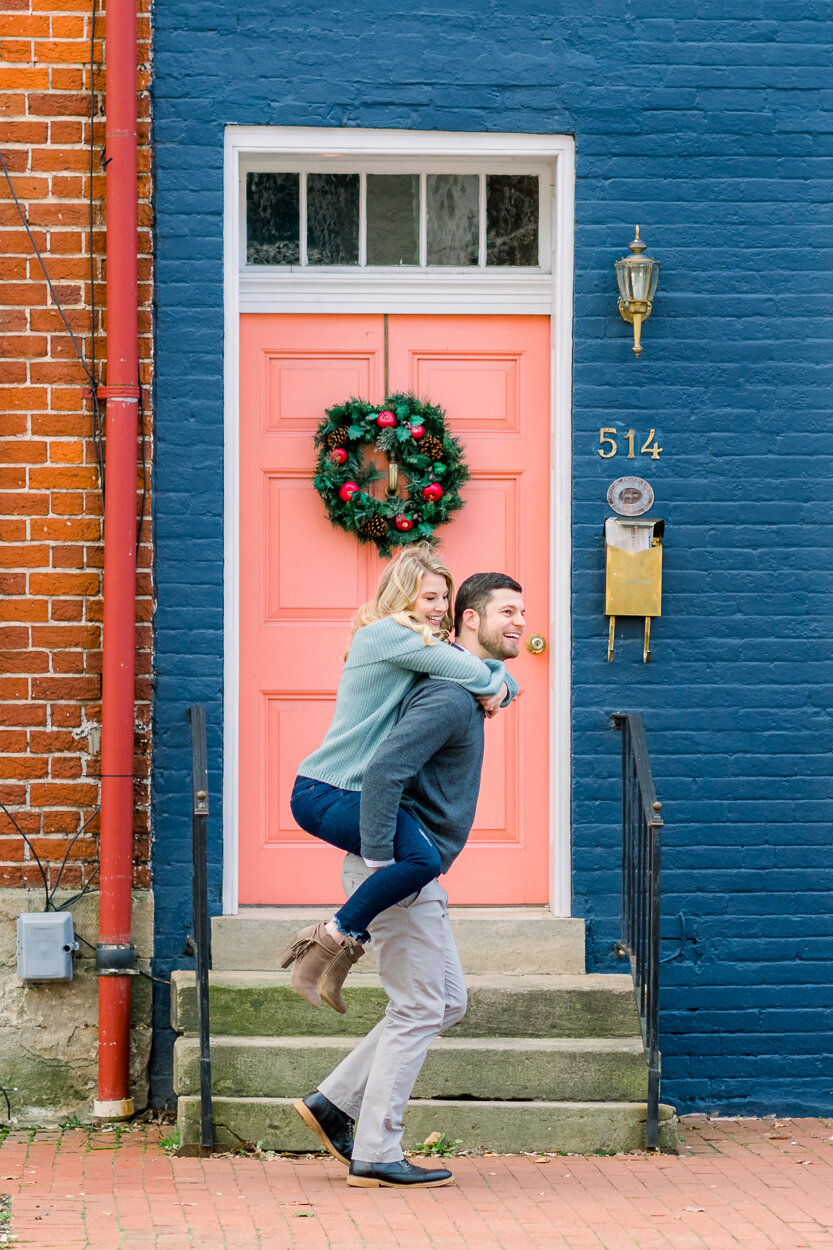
x: 737, y: 1184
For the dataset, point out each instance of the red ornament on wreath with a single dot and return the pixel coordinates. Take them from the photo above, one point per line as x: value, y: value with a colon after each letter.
x: 432, y: 492
x: 417, y: 431
x: 348, y: 490
x: 403, y: 523
x: 386, y: 420
x: 338, y: 455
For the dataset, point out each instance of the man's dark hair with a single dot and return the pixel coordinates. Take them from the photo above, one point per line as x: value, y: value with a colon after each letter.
x: 476, y: 591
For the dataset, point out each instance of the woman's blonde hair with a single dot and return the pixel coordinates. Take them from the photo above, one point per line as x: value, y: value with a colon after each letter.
x: 398, y: 591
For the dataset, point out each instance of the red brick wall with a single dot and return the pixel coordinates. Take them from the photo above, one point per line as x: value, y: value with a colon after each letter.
x: 51, y: 552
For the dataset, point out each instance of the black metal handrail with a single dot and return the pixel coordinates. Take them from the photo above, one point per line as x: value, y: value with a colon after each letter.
x: 641, y: 852
x: 199, y: 942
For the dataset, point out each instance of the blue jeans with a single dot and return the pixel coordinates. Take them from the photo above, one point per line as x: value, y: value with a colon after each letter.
x: 333, y: 816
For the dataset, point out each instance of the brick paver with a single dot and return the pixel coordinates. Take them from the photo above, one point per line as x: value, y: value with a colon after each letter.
x: 737, y: 1185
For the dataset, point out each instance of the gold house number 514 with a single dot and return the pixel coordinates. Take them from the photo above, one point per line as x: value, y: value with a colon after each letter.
x: 607, y: 440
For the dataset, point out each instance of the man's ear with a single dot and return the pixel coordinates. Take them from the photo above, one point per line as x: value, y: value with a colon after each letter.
x: 471, y: 619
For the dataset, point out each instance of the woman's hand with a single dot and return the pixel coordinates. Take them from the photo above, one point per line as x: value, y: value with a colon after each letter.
x: 491, y: 702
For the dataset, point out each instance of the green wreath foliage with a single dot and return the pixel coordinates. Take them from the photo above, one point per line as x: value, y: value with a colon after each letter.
x: 434, y: 458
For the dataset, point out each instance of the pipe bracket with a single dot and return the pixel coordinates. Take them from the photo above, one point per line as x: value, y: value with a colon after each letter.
x: 129, y: 390
x: 114, y: 959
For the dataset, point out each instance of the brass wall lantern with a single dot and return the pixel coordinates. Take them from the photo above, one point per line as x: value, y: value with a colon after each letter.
x: 637, y: 276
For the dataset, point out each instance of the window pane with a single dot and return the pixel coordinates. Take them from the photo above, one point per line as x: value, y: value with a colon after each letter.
x: 272, y: 219
x: 453, y: 201
x: 333, y: 219
x: 392, y: 219
x: 511, y: 219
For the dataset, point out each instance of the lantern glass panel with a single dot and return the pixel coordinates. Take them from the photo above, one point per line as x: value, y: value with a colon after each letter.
x: 654, y: 280
x: 639, y: 272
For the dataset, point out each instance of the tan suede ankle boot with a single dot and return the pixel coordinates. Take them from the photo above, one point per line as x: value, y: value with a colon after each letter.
x: 310, y: 954
x: 334, y: 975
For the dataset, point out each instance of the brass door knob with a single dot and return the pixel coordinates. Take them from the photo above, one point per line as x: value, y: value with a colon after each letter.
x: 536, y: 644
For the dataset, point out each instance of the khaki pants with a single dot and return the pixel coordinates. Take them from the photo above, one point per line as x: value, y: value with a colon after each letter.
x: 421, y: 974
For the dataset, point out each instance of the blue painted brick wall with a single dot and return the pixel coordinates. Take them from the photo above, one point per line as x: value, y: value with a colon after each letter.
x: 710, y: 124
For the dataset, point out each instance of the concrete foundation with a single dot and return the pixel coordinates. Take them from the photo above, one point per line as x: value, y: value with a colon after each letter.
x: 49, y: 1032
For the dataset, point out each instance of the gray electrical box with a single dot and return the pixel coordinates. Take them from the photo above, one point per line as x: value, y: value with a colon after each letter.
x: 45, y: 942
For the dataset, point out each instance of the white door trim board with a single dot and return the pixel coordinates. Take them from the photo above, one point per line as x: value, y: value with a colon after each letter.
x: 547, y: 290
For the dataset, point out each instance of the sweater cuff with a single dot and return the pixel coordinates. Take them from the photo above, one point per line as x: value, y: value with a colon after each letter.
x: 511, y: 690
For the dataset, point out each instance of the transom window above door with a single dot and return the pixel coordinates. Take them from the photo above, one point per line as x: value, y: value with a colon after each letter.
x: 326, y: 217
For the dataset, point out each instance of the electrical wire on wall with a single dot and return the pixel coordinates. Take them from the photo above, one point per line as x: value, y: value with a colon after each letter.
x: 49, y: 904
x: 49, y: 895
x: 57, y: 303
x: 90, y: 368
x: 90, y: 372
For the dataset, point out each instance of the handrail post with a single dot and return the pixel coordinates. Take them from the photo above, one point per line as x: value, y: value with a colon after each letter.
x: 200, y: 928
x: 652, y: 1125
x: 641, y: 898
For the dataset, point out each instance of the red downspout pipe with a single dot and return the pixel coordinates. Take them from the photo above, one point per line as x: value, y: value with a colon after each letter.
x: 114, y: 956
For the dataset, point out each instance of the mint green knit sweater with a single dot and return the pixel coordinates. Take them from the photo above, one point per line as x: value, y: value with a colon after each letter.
x: 384, y: 661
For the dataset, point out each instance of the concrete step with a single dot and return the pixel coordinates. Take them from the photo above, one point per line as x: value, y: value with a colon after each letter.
x: 258, y: 1004
x: 489, y: 939
x: 552, y: 1069
x: 510, y: 1127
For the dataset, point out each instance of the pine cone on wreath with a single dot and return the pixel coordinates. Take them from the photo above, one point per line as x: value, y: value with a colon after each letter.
x: 339, y: 438
x: 431, y: 446
x: 375, y: 526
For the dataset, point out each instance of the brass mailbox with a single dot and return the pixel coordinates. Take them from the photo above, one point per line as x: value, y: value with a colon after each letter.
x: 633, y: 573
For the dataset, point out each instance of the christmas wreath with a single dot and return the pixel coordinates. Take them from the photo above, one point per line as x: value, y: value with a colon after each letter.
x: 419, y: 449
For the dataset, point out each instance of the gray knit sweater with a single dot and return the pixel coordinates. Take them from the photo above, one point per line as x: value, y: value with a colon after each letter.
x: 383, y: 663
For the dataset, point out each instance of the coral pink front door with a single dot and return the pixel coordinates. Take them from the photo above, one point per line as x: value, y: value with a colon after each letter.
x: 301, y: 580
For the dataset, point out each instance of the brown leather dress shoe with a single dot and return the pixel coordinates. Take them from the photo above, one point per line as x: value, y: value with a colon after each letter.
x: 332, y: 1126
x: 400, y: 1175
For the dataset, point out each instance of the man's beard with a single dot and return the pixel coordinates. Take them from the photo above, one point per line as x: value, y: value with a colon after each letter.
x: 493, y: 642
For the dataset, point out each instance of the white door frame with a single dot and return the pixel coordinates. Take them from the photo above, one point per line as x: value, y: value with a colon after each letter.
x: 548, y: 291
